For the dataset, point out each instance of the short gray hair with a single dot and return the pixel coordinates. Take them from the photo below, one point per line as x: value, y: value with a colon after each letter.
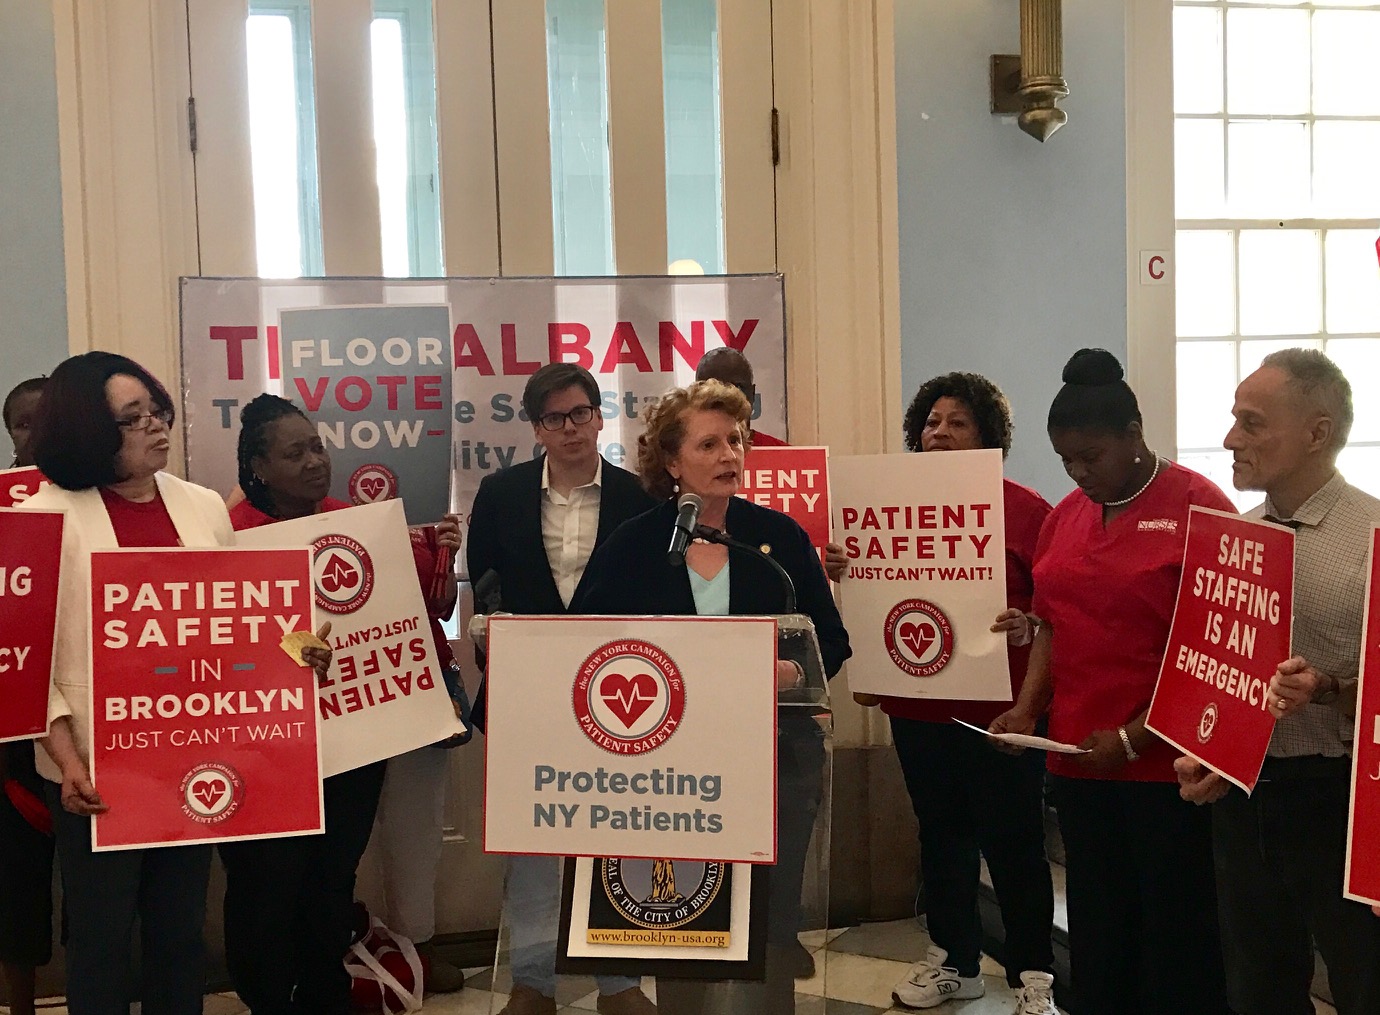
x: 1322, y: 386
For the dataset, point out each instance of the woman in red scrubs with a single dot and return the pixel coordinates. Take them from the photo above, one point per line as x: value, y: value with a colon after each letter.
x: 1141, y: 894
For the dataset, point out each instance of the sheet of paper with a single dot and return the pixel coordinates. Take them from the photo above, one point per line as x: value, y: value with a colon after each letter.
x: 1021, y: 740
x: 295, y: 641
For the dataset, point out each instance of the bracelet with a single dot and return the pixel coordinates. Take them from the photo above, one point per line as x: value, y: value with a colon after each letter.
x: 799, y: 674
x: 1131, y: 754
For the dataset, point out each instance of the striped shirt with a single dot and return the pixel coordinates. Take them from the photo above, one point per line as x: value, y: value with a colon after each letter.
x: 1331, y: 553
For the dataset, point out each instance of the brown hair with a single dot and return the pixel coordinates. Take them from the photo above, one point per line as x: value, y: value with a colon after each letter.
x: 665, y: 422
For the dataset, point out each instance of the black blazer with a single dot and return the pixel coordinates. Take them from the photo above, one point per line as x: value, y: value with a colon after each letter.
x: 629, y: 574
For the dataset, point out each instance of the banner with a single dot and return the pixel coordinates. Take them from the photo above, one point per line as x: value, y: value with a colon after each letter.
x: 638, y: 336
x: 30, y: 555
x: 926, y: 539
x: 794, y: 481
x: 384, y: 694
x: 1232, y: 625
x: 202, y: 727
x: 377, y: 383
x: 606, y: 738
x: 1362, y: 881
x: 18, y: 485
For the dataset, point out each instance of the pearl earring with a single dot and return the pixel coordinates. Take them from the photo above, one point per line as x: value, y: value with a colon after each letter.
x: 1137, y: 459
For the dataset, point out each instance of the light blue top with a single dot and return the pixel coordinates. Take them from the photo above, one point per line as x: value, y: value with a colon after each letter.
x: 711, y: 594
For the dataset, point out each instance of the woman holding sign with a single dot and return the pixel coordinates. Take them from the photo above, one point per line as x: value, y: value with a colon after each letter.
x: 101, y: 435
x: 1141, y: 891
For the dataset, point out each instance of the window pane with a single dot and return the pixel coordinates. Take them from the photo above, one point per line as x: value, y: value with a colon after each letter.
x: 1198, y: 166
x: 1216, y: 466
x: 1252, y: 353
x: 1268, y: 168
x: 274, y: 132
x: 581, y: 189
x: 1353, y: 283
x: 1346, y: 169
x: 1267, y: 62
x: 1281, y: 282
x: 1204, y: 282
x: 1346, y: 45
x: 694, y: 150
x: 390, y: 143
x: 1359, y: 359
x: 1207, y: 377
x: 1361, y: 467
x: 1197, y: 60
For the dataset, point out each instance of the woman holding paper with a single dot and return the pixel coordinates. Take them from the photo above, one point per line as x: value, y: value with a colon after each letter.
x: 101, y: 435
x: 973, y: 802
x: 1141, y: 891
x: 289, y: 903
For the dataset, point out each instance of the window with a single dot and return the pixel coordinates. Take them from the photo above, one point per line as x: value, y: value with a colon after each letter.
x: 1277, y: 136
x: 694, y: 143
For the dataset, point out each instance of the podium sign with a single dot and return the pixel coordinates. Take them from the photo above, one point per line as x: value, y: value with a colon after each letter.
x: 639, y: 737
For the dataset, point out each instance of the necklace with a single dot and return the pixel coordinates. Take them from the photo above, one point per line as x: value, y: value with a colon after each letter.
x: 1123, y: 503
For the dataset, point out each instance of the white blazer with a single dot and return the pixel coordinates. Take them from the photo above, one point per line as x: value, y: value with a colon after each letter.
x: 201, y: 520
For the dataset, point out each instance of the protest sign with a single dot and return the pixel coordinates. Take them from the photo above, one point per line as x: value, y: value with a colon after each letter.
x: 794, y: 481
x: 606, y: 737
x: 1231, y: 629
x: 18, y: 485
x: 926, y: 541
x: 1362, y: 881
x: 202, y: 728
x: 384, y: 694
x: 30, y: 555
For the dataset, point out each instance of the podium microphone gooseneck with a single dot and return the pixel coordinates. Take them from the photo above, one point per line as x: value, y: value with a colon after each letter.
x: 724, y: 539
x: 687, y: 519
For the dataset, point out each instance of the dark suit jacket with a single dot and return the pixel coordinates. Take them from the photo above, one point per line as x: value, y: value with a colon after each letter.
x: 629, y: 574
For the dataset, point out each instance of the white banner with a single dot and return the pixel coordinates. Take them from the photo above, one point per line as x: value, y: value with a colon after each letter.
x: 638, y: 336
x: 384, y: 695
x: 926, y: 538
x: 606, y: 737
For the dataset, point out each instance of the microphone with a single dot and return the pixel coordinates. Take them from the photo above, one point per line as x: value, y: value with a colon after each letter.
x: 686, y: 520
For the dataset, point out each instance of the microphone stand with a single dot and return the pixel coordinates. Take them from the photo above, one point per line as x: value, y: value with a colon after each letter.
x: 724, y: 539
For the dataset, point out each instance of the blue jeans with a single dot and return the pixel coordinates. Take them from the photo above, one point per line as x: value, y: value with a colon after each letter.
x: 532, y: 910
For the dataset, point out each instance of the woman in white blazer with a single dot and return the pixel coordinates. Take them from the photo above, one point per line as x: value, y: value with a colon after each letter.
x: 101, y: 435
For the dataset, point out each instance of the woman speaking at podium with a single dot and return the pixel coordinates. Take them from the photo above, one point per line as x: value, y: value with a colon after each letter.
x: 694, y: 444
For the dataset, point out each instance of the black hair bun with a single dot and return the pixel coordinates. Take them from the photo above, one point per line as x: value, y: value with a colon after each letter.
x: 265, y: 408
x: 1092, y: 367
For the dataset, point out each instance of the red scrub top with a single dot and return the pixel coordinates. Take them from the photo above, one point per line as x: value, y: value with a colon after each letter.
x: 1109, y: 592
x: 1025, y: 513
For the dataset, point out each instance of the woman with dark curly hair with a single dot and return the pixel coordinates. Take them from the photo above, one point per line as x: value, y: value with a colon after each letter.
x: 971, y: 801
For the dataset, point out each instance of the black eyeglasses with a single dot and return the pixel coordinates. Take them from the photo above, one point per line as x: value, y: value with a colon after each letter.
x: 580, y: 415
x: 145, y: 420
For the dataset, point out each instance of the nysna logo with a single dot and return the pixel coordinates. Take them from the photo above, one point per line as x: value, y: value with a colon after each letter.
x: 372, y: 483
x: 342, y: 572
x: 1170, y: 525
x: 211, y: 793
x: 1207, y: 724
x: 629, y: 697
x: 918, y: 637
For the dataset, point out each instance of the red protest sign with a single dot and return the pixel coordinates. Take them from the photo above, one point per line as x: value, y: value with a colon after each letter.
x: 30, y: 552
x: 18, y: 485
x: 1363, y: 836
x: 1231, y: 629
x: 202, y: 728
x: 794, y: 481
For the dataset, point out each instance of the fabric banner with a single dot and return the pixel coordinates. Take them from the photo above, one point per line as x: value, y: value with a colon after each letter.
x: 794, y: 481
x: 1362, y: 881
x: 639, y: 336
x: 377, y: 383
x: 384, y: 694
x: 606, y: 737
x: 30, y: 555
x: 1232, y: 624
x: 202, y: 727
x: 925, y: 535
x: 18, y: 485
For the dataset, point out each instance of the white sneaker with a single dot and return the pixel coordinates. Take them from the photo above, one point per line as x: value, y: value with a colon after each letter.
x: 931, y: 983
x: 1037, y: 995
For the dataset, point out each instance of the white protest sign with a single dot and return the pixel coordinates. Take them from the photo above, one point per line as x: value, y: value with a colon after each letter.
x: 384, y: 695
x: 606, y: 737
x: 926, y: 540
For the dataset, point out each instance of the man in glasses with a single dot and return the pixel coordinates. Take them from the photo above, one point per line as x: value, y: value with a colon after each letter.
x: 535, y: 526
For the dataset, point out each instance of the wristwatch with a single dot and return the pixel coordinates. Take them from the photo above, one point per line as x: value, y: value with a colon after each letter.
x: 1131, y: 754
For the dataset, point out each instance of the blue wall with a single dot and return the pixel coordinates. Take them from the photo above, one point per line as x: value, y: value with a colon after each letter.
x: 1013, y: 253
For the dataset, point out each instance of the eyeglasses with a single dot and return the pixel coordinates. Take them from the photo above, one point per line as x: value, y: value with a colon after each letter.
x: 580, y: 415
x: 145, y: 420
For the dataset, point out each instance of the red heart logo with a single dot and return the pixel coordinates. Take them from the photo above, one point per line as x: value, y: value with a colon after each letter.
x: 918, y: 636
x: 338, y: 574
x: 628, y: 697
x: 208, y: 791
x: 372, y: 486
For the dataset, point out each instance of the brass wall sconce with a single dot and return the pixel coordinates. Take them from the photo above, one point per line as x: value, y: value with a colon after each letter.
x: 1032, y: 84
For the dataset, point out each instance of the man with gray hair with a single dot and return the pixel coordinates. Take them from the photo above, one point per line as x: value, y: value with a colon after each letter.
x: 1281, y: 852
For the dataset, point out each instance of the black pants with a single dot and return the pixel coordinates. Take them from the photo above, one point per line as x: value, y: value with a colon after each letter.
x: 1143, y: 934
x: 799, y: 788
x: 973, y: 801
x: 1281, y: 855
x: 26, y: 871
x: 289, y: 905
